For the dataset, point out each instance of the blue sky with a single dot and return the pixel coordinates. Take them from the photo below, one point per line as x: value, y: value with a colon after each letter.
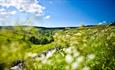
x: 60, y: 13
x: 77, y: 12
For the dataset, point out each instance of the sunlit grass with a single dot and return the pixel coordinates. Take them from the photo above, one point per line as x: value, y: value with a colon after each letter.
x: 84, y: 48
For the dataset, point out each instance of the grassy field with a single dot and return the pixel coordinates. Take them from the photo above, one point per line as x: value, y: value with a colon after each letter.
x: 83, y: 48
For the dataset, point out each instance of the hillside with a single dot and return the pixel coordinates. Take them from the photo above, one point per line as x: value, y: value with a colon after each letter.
x: 66, y: 48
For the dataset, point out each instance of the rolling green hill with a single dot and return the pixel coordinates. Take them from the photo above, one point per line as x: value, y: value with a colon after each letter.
x: 66, y: 48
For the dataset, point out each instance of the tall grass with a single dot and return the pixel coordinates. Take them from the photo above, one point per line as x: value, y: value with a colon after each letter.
x: 83, y: 48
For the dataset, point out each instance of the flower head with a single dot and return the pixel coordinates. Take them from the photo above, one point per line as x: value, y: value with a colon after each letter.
x: 68, y: 58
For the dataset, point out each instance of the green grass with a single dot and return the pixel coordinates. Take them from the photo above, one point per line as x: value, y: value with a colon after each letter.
x: 81, y: 48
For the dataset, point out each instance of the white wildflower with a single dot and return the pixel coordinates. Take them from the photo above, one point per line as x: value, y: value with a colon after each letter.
x: 75, y: 53
x: 68, y: 50
x: 80, y: 59
x: 90, y: 56
x: 75, y: 65
x: 68, y: 58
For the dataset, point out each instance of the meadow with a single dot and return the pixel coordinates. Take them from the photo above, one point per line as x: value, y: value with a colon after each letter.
x: 78, y: 48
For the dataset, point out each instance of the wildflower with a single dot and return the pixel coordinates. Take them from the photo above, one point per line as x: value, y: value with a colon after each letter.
x: 75, y: 53
x: 86, y: 68
x: 80, y: 59
x: 75, y: 65
x: 68, y: 50
x: 68, y: 58
x: 90, y: 56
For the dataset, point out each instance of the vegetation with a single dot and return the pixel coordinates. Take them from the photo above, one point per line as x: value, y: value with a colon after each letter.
x: 83, y: 48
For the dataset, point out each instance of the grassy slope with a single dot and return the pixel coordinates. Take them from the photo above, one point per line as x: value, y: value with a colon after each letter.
x: 97, y: 40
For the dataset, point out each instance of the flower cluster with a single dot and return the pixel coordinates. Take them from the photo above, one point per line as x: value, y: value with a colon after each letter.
x: 75, y: 59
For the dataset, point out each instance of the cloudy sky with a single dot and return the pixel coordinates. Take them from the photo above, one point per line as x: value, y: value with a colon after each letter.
x: 55, y: 13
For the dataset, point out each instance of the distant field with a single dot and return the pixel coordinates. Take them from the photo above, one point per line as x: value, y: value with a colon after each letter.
x: 80, y: 48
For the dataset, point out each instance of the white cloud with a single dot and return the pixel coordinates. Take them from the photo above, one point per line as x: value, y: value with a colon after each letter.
x: 47, y: 17
x: 30, y: 6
